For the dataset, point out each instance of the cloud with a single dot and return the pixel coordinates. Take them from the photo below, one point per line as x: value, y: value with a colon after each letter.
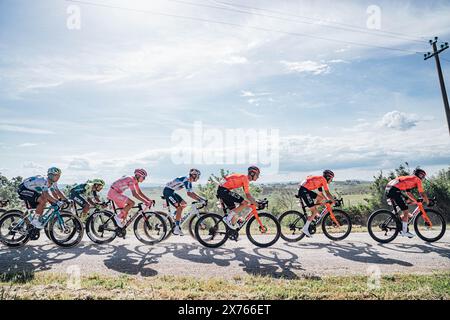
x: 235, y: 60
x: 308, y: 66
x: 79, y: 164
x: 21, y: 129
x: 28, y: 144
x: 398, y: 120
x: 31, y: 165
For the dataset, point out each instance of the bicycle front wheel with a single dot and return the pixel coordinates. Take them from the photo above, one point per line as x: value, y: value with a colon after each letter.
x: 291, y: 223
x: 211, y: 230
x: 66, y: 230
x: 101, y: 228
x: 150, y: 228
x: 383, y: 226
x: 431, y: 229
x: 265, y: 234
x: 338, y: 229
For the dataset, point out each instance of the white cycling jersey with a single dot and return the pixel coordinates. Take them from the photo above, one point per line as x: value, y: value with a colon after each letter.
x: 39, y: 184
x: 180, y: 183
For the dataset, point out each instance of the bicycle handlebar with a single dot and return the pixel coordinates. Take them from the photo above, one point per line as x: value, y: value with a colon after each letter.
x: 262, y: 204
x: 203, y: 204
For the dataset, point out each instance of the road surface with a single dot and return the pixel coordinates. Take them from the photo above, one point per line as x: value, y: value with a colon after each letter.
x: 358, y: 254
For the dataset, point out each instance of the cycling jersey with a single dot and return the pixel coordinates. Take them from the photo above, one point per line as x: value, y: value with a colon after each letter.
x: 315, y: 182
x: 125, y: 183
x: 40, y: 184
x: 84, y: 189
x: 180, y: 183
x: 236, y: 180
x: 406, y: 183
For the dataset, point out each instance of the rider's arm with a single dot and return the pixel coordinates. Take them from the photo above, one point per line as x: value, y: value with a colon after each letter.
x: 49, y: 197
x: 58, y: 194
x: 422, y: 192
x: 410, y: 197
x: 194, y: 196
x: 247, y: 193
x: 137, y: 193
x: 328, y: 194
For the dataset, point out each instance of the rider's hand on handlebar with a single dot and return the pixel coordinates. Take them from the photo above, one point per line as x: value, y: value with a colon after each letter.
x: 149, y: 204
x: 60, y: 203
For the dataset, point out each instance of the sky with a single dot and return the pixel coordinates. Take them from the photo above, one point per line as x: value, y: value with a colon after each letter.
x: 133, y: 85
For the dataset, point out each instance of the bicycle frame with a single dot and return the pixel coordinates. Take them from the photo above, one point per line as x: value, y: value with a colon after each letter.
x: 46, y: 217
x: 193, y: 210
x: 133, y: 216
x: 325, y: 210
x: 415, y: 213
x: 253, y: 212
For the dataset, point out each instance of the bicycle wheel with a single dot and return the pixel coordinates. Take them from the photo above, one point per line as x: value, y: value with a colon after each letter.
x: 333, y: 231
x: 193, y: 222
x: 150, y: 228
x: 13, y: 229
x: 170, y: 223
x: 383, y: 226
x: 291, y: 223
x: 426, y: 232
x: 66, y: 230
x: 266, y: 235
x: 101, y: 227
x: 215, y: 234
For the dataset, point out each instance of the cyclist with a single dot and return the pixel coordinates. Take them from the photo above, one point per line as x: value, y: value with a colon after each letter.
x: 230, y: 198
x: 313, y: 199
x: 117, y: 189
x: 176, y: 200
x: 37, y: 191
x: 86, y: 194
x: 405, y: 184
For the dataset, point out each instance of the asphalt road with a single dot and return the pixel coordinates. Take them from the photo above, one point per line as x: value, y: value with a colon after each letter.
x: 358, y: 254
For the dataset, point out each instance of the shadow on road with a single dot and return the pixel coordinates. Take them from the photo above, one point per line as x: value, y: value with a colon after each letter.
x: 354, y: 251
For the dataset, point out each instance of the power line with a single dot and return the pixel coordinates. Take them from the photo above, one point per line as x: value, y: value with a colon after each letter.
x: 321, y: 20
x: 244, y: 26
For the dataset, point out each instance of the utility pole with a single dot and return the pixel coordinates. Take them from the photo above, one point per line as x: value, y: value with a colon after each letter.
x: 435, y: 54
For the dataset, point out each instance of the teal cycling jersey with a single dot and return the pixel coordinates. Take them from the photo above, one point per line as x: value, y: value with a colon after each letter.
x: 84, y: 189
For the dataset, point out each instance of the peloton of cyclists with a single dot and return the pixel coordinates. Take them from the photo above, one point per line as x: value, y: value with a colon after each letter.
x: 37, y: 191
x: 231, y: 198
x: 394, y: 192
x: 86, y: 194
x: 176, y: 200
x: 117, y: 189
x: 313, y: 199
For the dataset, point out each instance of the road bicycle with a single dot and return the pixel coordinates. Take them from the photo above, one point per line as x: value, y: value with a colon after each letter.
x: 60, y: 226
x: 336, y: 223
x: 189, y: 219
x: 384, y: 225
x: 149, y: 227
x: 262, y: 228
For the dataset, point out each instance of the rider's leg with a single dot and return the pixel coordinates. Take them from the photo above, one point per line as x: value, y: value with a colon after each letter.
x: 180, y: 209
x: 405, y: 218
x: 124, y: 213
x: 85, y: 209
x: 236, y: 211
x: 42, y: 201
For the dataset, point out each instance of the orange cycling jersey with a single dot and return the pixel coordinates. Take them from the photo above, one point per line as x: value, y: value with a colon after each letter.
x: 406, y: 183
x: 236, y: 180
x: 315, y: 182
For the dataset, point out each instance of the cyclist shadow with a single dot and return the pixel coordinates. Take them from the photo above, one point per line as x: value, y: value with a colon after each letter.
x: 354, y: 251
x: 265, y: 262
x: 35, y: 258
x: 419, y: 248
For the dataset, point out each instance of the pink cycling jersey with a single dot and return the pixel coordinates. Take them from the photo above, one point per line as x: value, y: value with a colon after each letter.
x: 124, y: 183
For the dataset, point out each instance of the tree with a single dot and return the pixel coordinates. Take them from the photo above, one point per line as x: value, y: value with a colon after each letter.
x: 8, y: 191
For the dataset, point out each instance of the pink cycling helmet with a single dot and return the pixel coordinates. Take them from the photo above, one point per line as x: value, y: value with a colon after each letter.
x: 140, y: 173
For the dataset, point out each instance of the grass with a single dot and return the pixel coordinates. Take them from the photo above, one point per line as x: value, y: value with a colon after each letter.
x: 398, y: 286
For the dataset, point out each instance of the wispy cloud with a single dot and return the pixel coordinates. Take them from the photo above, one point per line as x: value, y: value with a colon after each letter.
x: 21, y: 129
x: 313, y: 67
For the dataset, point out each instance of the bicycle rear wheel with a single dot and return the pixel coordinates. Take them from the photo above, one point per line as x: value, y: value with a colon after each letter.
x: 291, y: 223
x: 383, y: 226
x: 266, y: 235
x: 211, y: 231
x: 101, y: 227
x: 332, y: 230
x: 427, y: 232
x: 13, y: 229
x: 67, y: 232
x: 150, y: 228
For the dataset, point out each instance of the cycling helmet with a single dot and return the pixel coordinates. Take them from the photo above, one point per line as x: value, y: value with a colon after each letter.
x: 328, y: 174
x: 53, y: 171
x: 420, y: 173
x: 252, y: 170
x: 140, y: 173
x: 194, y: 172
x: 98, y: 181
